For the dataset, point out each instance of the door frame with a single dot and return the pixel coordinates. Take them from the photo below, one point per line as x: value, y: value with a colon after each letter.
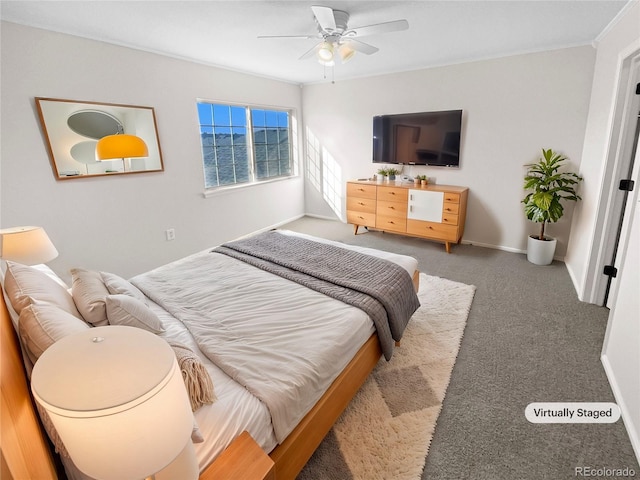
x: 626, y: 109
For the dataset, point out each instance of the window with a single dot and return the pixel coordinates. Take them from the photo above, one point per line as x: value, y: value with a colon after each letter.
x: 242, y: 144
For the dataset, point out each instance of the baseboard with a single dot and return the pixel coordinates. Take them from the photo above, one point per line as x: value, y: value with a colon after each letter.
x: 284, y: 222
x: 504, y: 249
x: 576, y: 285
x: 634, y: 436
x: 494, y: 247
x: 271, y: 227
x: 321, y: 217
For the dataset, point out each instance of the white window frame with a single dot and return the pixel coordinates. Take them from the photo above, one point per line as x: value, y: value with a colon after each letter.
x: 251, y: 151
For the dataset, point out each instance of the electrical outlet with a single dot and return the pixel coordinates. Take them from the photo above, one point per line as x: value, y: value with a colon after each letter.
x: 171, y: 234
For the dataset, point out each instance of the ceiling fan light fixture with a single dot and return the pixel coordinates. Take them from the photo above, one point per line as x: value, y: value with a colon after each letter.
x: 329, y: 63
x: 346, y: 52
x: 325, y: 52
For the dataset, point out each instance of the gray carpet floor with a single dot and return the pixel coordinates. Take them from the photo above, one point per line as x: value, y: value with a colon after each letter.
x: 528, y: 339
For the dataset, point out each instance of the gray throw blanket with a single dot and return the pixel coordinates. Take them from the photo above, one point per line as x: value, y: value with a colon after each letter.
x: 382, y: 289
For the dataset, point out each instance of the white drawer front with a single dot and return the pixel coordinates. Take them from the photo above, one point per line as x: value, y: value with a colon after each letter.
x: 425, y: 205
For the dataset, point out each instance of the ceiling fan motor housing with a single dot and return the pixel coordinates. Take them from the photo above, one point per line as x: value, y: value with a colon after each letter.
x: 341, y: 18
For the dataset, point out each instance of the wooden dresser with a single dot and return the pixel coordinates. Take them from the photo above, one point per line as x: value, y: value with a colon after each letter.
x: 436, y: 212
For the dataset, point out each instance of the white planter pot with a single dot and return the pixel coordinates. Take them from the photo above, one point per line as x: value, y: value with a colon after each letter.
x: 541, y: 252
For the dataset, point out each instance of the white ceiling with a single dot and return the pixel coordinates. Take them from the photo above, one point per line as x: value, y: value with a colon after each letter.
x: 224, y: 33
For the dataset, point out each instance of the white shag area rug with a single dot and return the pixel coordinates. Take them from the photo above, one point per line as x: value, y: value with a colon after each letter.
x: 386, y: 430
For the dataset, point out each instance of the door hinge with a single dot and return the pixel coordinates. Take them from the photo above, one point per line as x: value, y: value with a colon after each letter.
x: 638, y: 89
x: 610, y: 271
x: 626, y: 185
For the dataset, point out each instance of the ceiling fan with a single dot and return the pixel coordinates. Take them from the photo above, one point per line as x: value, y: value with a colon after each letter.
x: 336, y: 37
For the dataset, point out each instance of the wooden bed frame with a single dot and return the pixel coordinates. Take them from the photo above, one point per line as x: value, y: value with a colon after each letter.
x: 26, y: 450
x: 24, y: 445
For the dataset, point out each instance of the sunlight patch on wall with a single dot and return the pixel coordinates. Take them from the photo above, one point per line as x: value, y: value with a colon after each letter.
x: 324, y: 173
x: 332, y: 182
x: 314, y: 161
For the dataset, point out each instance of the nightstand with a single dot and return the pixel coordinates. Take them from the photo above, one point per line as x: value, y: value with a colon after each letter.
x: 242, y: 460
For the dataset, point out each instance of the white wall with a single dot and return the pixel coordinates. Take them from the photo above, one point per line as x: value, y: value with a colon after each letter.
x: 513, y: 107
x: 118, y: 223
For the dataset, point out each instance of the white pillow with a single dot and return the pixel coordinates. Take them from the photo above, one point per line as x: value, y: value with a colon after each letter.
x: 129, y: 311
x: 118, y: 285
x: 40, y: 325
x: 89, y: 293
x: 25, y: 284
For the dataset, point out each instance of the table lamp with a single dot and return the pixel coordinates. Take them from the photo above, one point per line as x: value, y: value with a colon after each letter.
x: 116, y: 397
x: 26, y: 245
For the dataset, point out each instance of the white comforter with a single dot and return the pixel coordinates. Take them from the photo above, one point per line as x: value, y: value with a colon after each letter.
x: 283, y: 342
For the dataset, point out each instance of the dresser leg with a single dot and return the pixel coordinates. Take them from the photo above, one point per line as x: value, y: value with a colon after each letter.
x: 447, y: 246
x: 355, y: 229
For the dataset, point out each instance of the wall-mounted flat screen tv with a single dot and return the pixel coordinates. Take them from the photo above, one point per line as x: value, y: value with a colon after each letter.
x: 426, y: 138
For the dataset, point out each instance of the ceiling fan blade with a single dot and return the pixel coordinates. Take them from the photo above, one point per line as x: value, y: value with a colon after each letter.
x: 361, y: 47
x: 394, y: 26
x: 310, y: 52
x: 290, y: 36
x: 325, y: 18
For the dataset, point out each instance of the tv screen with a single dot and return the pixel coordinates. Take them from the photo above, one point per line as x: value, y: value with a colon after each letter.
x: 426, y: 138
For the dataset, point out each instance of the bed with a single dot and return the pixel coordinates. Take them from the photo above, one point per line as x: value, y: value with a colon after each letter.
x: 291, y: 445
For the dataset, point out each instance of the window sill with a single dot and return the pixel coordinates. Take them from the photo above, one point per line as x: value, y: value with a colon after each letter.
x: 214, y: 192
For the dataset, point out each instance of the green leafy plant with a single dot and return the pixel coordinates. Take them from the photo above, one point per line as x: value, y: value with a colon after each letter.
x: 383, y: 171
x: 392, y: 171
x: 421, y: 177
x: 548, y: 188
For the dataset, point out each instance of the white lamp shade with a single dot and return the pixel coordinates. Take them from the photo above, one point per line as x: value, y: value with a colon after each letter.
x: 117, y: 399
x: 325, y: 52
x: 346, y: 52
x: 26, y: 245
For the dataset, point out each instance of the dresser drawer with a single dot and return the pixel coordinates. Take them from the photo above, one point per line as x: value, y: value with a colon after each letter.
x: 453, y: 208
x: 366, y: 205
x: 433, y: 230
x: 393, y: 194
x: 449, y: 219
x: 360, y: 218
x: 362, y: 191
x: 391, y: 224
x: 451, y: 197
x: 392, y: 209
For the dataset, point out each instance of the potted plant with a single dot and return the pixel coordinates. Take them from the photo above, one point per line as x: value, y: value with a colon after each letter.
x: 547, y: 188
x: 423, y: 179
x: 382, y: 174
x: 392, y: 172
